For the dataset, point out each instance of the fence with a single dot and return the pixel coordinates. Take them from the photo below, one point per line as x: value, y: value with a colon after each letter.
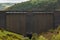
x: 23, y: 22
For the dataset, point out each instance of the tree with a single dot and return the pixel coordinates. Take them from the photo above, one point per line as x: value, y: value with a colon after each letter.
x: 41, y: 1
x: 37, y: 5
x: 47, y: 5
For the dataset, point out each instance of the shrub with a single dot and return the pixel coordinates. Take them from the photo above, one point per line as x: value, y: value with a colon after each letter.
x: 26, y: 38
x: 53, y: 37
x: 34, y: 36
x: 57, y: 37
x: 6, y: 35
x: 42, y: 38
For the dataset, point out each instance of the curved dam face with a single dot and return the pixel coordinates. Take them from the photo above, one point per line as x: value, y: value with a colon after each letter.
x: 23, y: 22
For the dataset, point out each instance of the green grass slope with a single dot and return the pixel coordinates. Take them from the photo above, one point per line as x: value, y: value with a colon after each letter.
x: 28, y: 6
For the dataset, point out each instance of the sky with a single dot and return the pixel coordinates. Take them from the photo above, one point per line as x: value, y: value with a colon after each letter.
x: 12, y: 1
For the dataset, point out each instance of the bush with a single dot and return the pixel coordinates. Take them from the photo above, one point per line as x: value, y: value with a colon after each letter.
x: 50, y: 35
x: 57, y: 37
x: 34, y: 36
x: 5, y: 35
x: 42, y: 38
x: 53, y: 37
x: 26, y: 38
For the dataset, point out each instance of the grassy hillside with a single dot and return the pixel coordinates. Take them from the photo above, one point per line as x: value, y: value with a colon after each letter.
x: 25, y: 6
x: 28, y: 6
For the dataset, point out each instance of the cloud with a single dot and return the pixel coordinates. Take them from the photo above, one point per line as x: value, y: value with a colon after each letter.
x: 12, y: 1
